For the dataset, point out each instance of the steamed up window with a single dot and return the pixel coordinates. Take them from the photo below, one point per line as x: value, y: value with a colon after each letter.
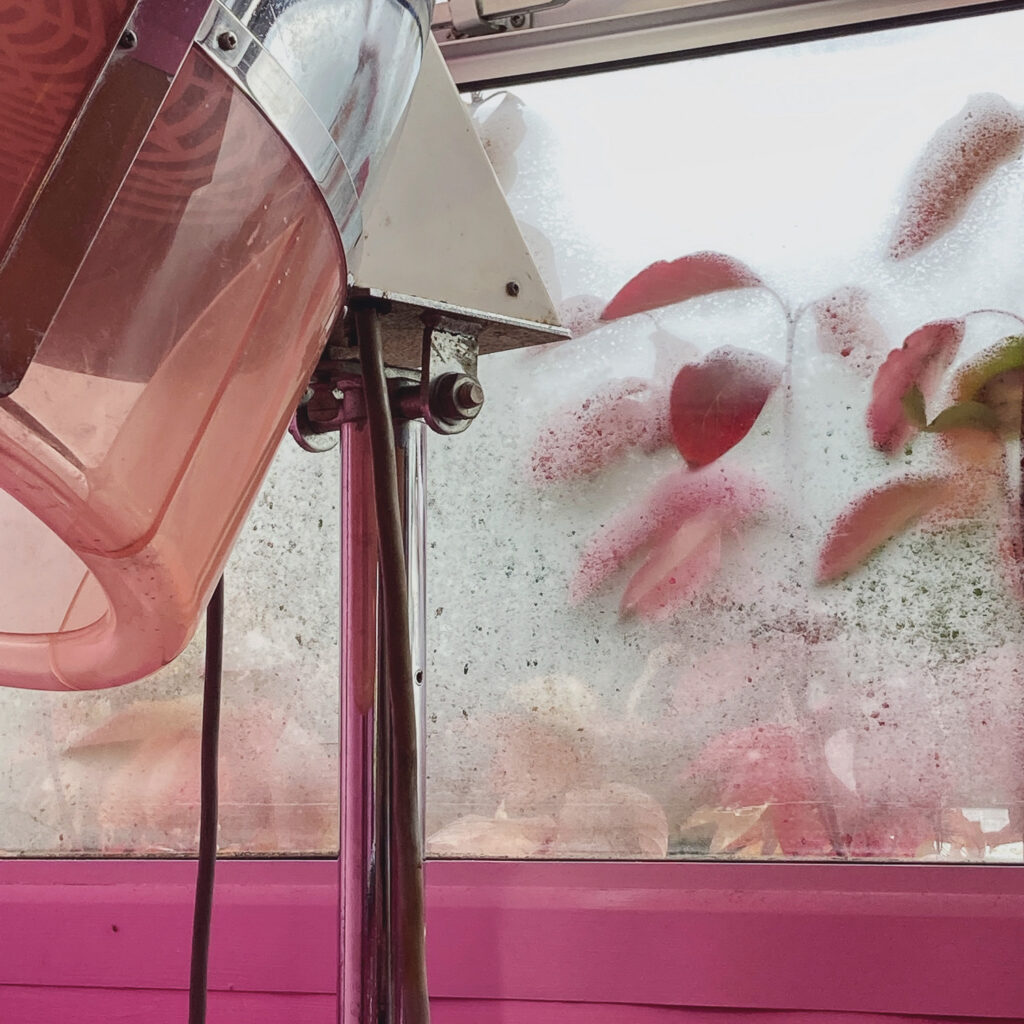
x: 736, y: 572
x: 116, y: 772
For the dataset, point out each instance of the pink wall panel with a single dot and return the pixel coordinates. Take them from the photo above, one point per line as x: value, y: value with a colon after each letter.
x: 128, y: 924
x: 21, y: 1005
x: 921, y: 939
x: 444, y: 1011
x: 531, y: 943
x: 46, y: 1005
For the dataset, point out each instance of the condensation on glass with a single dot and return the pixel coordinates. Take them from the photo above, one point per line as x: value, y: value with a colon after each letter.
x: 116, y: 772
x: 737, y: 571
x: 131, y: 453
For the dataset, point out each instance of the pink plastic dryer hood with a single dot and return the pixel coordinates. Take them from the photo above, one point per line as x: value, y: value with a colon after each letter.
x: 179, y: 184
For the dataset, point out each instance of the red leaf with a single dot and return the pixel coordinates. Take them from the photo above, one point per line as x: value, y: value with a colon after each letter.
x: 677, y: 497
x: 665, y: 283
x: 583, y: 438
x: 847, y: 329
x: 714, y: 404
x: 877, y: 517
x: 960, y: 157
x: 924, y: 357
x: 676, y: 570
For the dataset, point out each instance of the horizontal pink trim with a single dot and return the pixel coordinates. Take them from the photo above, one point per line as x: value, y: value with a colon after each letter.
x: 169, y: 871
x: 20, y: 1005
x: 916, y: 939
x: 127, y: 924
x: 472, y: 1011
x: 104, y: 1006
x: 735, y: 876
x: 924, y: 939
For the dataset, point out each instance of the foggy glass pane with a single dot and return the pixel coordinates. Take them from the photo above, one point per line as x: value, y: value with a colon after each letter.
x: 737, y: 571
x: 116, y: 772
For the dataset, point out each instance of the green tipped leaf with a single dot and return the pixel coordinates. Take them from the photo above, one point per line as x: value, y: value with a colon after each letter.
x: 975, y: 415
x: 993, y: 378
x: 913, y: 408
x: 980, y: 371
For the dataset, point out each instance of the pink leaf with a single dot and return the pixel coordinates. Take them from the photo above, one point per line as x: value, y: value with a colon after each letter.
x: 877, y: 517
x: 676, y: 570
x: 714, y: 404
x: 665, y: 283
x: 676, y: 498
x: 847, y: 329
x: 923, y: 358
x: 759, y: 764
x: 583, y: 438
x: 141, y: 722
x: 143, y: 761
x: 960, y: 157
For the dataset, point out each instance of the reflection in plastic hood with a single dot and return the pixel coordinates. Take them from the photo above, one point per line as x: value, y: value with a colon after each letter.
x: 168, y: 349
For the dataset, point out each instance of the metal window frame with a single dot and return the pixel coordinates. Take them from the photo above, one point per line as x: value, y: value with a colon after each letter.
x: 587, y: 36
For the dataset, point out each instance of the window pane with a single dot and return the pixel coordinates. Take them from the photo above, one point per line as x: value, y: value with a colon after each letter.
x: 116, y: 772
x: 721, y: 576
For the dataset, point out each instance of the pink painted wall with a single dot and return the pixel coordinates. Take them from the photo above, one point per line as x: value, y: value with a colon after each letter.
x: 103, y: 1006
x: 472, y: 1011
x: 530, y: 943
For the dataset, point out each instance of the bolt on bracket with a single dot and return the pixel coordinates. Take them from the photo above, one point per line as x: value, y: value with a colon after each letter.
x: 445, y: 392
x: 483, y: 17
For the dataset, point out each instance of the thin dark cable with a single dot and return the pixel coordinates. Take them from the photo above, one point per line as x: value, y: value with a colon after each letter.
x: 207, y: 808
x: 406, y: 921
